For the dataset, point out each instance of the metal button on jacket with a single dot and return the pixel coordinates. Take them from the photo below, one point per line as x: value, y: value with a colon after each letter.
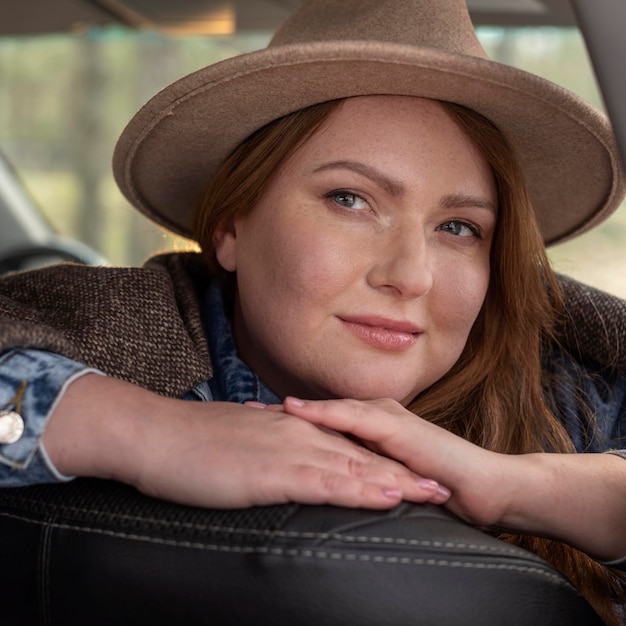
x: 11, y: 426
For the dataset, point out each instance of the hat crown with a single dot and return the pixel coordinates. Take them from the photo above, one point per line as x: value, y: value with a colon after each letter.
x: 435, y: 24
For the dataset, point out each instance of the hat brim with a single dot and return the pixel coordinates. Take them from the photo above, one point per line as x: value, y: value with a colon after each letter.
x: 176, y: 142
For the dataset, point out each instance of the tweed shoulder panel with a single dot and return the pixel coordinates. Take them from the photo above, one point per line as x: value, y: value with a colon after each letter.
x: 142, y: 325
x: 593, y: 326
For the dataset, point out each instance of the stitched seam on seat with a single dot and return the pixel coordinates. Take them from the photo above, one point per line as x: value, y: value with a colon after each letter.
x: 307, y: 553
x: 44, y: 576
x: 288, y: 534
x: 317, y: 554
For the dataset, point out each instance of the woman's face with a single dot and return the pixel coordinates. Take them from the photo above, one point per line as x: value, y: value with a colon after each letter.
x: 366, y: 262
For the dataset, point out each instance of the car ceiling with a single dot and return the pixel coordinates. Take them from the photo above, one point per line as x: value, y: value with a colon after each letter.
x: 225, y: 16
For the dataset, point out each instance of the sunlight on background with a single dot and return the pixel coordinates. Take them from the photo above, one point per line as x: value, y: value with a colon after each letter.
x: 65, y: 99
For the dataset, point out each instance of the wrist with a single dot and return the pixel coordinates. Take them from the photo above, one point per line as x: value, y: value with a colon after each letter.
x: 95, y: 429
x: 574, y: 498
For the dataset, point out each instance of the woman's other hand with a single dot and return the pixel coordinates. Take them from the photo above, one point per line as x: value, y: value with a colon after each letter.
x: 576, y: 498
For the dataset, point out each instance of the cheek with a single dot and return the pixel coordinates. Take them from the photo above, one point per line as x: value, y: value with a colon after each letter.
x: 462, y: 295
x: 305, y: 259
x: 290, y: 268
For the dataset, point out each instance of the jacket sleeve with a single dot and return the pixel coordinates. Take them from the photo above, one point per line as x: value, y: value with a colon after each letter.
x: 31, y: 384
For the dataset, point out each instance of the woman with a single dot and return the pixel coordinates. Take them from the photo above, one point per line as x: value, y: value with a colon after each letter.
x: 376, y: 250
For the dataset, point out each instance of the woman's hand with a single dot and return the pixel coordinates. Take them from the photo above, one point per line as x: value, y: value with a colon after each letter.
x: 385, y: 426
x: 576, y: 498
x: 219, y: 454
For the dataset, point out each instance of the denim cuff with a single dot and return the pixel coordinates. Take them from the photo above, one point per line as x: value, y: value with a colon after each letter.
x: 32, y: 382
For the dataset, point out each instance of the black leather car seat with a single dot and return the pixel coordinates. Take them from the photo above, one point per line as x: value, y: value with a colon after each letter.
x: 99, y: 553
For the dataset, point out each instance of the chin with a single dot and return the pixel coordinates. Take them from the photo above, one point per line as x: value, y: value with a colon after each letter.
x: 374, y: 391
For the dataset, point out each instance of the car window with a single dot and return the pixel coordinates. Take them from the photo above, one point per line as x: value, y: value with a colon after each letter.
x: 66, y: 98
x: 559, y: 54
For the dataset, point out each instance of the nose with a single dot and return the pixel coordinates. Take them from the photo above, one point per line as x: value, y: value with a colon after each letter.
x: 402, y: 266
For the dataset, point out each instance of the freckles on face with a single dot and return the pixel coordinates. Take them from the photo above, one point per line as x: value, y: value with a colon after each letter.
x: 365, y: 264
x: 286, y: 259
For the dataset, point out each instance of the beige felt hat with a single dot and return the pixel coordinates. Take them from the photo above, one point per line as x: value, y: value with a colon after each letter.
x: 340, y: 48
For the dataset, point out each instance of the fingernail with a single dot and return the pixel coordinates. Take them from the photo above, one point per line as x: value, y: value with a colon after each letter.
x: 443, y: 492
x: 427, y: 484
x: 393, y: 493
x: 256, y: 405
x: 294, y: 401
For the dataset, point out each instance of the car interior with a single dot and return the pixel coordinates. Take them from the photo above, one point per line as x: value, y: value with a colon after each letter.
x: 105, y: 554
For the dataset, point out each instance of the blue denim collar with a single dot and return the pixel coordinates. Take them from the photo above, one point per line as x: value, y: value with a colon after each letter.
x: 233, y: 380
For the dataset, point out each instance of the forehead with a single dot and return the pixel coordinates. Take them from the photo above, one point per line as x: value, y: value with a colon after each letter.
x: 408, y: 138
x: 403, y: 124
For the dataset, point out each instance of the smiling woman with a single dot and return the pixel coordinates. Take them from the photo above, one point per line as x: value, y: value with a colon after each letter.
x: 357, y: 231
x: 372, y: 317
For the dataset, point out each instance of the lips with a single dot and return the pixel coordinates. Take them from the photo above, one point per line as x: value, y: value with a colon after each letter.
x: 383, y: 333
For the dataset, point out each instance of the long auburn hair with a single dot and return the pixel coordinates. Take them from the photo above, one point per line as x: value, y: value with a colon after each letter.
x: 493, y: 396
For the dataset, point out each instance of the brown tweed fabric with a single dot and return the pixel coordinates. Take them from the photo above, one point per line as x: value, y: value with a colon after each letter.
x: 144, y: 326
x: 140, y: 325
x: 594, y: 325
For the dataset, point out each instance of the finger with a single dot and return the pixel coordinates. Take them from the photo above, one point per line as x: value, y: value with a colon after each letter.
x: 275, y: 407
x: 414, y: 488
x: 368, y: 420
x: 421, y: 490
x: 315, y: 486
x: 370, y: 468
x: 350, y: 457
x: 438, y: 493
x: 261, y: 405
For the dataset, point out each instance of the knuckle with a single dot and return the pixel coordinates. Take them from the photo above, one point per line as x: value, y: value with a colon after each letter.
x: 326, y: 486
x: 318, y: 482
x: 329, y: 482
x: 366, y: 456
x: 355, y: 467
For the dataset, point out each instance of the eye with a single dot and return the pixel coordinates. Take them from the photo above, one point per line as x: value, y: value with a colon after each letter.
x: 348, y: 200
x: 459, y: 229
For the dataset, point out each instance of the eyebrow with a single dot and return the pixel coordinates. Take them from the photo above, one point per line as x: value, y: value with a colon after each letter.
x: 462, y: 201
x: 391, y: 186
x: 396, y: 188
